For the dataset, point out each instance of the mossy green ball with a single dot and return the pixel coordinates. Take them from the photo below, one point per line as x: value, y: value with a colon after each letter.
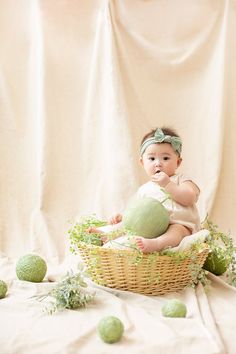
x: 31, y: 268
x: 3, y: 289
x: 216, y: 262
x: 110, y: 329
x: 174, y: 308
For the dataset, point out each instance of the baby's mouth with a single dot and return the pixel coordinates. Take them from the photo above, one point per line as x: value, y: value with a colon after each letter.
x: 158, y: 171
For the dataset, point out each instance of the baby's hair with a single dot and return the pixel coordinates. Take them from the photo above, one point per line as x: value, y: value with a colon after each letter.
x: 166, y: 131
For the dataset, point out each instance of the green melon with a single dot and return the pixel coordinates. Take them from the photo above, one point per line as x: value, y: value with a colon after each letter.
x: 31, y: 267
x: 146, y: 217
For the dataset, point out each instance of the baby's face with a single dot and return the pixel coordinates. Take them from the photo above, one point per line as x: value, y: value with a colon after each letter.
x: 160, y: 157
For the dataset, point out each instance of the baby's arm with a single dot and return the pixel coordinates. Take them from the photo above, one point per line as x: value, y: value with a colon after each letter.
x: 186, y: 193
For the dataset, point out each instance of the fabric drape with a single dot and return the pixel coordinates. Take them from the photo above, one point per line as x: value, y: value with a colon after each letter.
x: 81, y: 82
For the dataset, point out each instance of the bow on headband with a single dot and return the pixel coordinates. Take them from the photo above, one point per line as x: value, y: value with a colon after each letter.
x: 160, y: 137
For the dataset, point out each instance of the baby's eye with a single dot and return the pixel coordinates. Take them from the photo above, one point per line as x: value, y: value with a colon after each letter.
x: 166, y: 158
x: 151, y: 158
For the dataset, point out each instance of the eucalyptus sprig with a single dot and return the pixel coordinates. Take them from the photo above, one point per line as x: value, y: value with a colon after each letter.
x: 69, y: 293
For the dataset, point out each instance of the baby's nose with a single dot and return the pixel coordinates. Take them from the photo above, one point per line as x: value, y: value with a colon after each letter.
x: 158, y: 162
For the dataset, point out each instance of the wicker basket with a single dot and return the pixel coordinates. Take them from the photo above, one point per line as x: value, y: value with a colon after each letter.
x: 149, y: 274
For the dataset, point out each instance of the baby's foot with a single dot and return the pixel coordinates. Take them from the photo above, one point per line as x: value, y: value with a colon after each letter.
x: 147, y: 245
x: 96, y: 230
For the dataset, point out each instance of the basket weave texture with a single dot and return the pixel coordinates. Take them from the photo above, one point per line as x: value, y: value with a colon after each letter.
x: 149, y: 274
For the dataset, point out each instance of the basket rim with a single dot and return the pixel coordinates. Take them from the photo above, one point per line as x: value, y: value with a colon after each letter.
x: 127, y: 252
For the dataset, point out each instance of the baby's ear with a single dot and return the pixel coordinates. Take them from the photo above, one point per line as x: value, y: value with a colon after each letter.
x: 141, y: 160
x: 179, y: 161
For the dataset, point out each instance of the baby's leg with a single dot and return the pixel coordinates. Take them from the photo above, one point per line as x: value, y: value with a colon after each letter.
x: 104, y: 230
x: 171, y: 238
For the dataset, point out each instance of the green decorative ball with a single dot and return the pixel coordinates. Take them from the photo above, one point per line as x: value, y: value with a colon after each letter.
x: 110, y: 329
x: 217, y: 262
x: 3, y: 289
x: 174, y: 308
x: 146, y: 217
x: 31, y: 268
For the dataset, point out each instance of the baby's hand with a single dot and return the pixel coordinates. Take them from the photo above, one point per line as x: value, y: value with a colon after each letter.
x: 115, y: 219
x: 161, y: 178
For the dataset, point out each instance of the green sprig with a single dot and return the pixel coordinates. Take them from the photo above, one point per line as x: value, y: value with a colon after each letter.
x: 69, y: 293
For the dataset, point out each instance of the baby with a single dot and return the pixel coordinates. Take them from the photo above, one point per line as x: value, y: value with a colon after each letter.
x: 160, y: 156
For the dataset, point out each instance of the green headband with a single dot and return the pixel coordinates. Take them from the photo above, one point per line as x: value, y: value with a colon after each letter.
x: 160, y: 137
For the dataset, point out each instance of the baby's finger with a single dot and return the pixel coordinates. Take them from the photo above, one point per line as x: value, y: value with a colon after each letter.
x: 155, y: 179
x: 112, y: 220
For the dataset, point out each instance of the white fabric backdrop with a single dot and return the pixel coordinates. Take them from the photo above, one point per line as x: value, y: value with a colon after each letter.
x: 82, y: 81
